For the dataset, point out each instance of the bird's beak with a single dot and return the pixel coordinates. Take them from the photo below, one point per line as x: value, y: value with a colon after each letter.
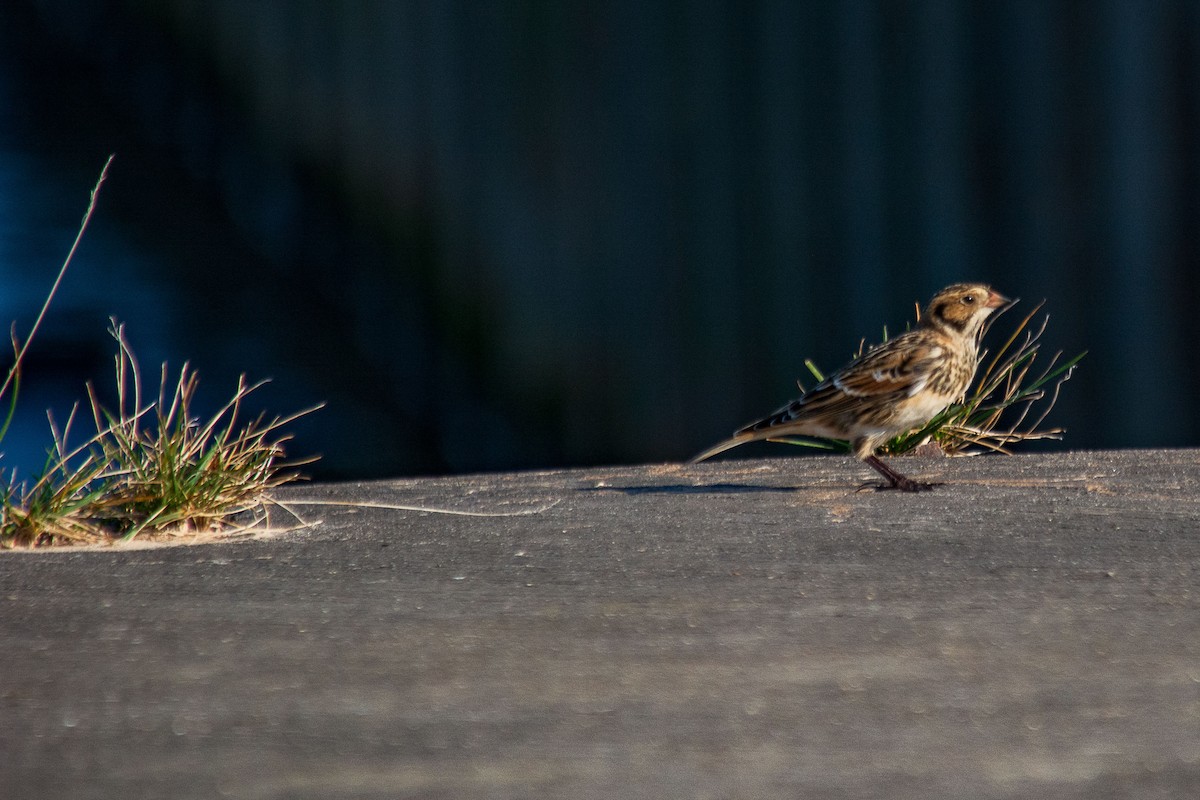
x: 997, y: 300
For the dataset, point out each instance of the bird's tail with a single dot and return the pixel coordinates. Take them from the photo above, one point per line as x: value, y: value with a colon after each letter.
x: 720, y: 447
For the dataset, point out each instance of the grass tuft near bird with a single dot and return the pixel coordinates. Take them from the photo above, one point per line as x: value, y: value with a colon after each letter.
x: 892, y: 388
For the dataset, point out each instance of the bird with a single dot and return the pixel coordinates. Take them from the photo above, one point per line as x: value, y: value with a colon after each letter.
x: 891, y: 388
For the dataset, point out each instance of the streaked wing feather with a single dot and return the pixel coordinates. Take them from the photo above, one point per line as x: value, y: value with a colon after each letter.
x: 888, y: 373
x: 901, y: 367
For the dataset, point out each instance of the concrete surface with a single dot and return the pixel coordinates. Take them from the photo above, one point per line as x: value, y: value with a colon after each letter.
x: 737, y: 629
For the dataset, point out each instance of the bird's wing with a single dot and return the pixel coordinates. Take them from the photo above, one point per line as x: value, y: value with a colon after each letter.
x: 901, y: 370
x: 897, y: 369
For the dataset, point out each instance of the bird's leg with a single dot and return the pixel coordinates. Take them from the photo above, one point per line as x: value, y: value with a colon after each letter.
x: 895, y: 480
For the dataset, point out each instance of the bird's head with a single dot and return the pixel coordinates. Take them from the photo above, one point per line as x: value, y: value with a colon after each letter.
x: 962, y: 309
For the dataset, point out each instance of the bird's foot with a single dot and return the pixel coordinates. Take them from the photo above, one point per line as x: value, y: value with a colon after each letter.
x: 895, y: 480
x: 906, y: 484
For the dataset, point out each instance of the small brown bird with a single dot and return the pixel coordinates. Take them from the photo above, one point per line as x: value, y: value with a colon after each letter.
x: 893, y: 387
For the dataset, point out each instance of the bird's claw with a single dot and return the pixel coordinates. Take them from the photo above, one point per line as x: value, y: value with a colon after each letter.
x: 907, y: 485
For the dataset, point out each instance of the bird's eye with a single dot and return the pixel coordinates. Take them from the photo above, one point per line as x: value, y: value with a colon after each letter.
x: 969, y: 299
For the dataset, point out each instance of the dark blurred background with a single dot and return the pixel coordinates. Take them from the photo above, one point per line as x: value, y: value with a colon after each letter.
x: 527, y: 234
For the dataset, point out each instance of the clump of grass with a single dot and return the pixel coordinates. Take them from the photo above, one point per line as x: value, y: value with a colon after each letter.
x: 178, y: 473
x: 1008, y: 404
x: 152, y: 470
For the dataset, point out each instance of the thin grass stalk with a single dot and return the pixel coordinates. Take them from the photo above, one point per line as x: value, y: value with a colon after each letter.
x: 1009, y: 342
x: 37, y: 323
x: 15, y: 381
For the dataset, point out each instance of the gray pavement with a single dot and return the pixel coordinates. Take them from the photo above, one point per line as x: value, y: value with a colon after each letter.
x: 737, y: 629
